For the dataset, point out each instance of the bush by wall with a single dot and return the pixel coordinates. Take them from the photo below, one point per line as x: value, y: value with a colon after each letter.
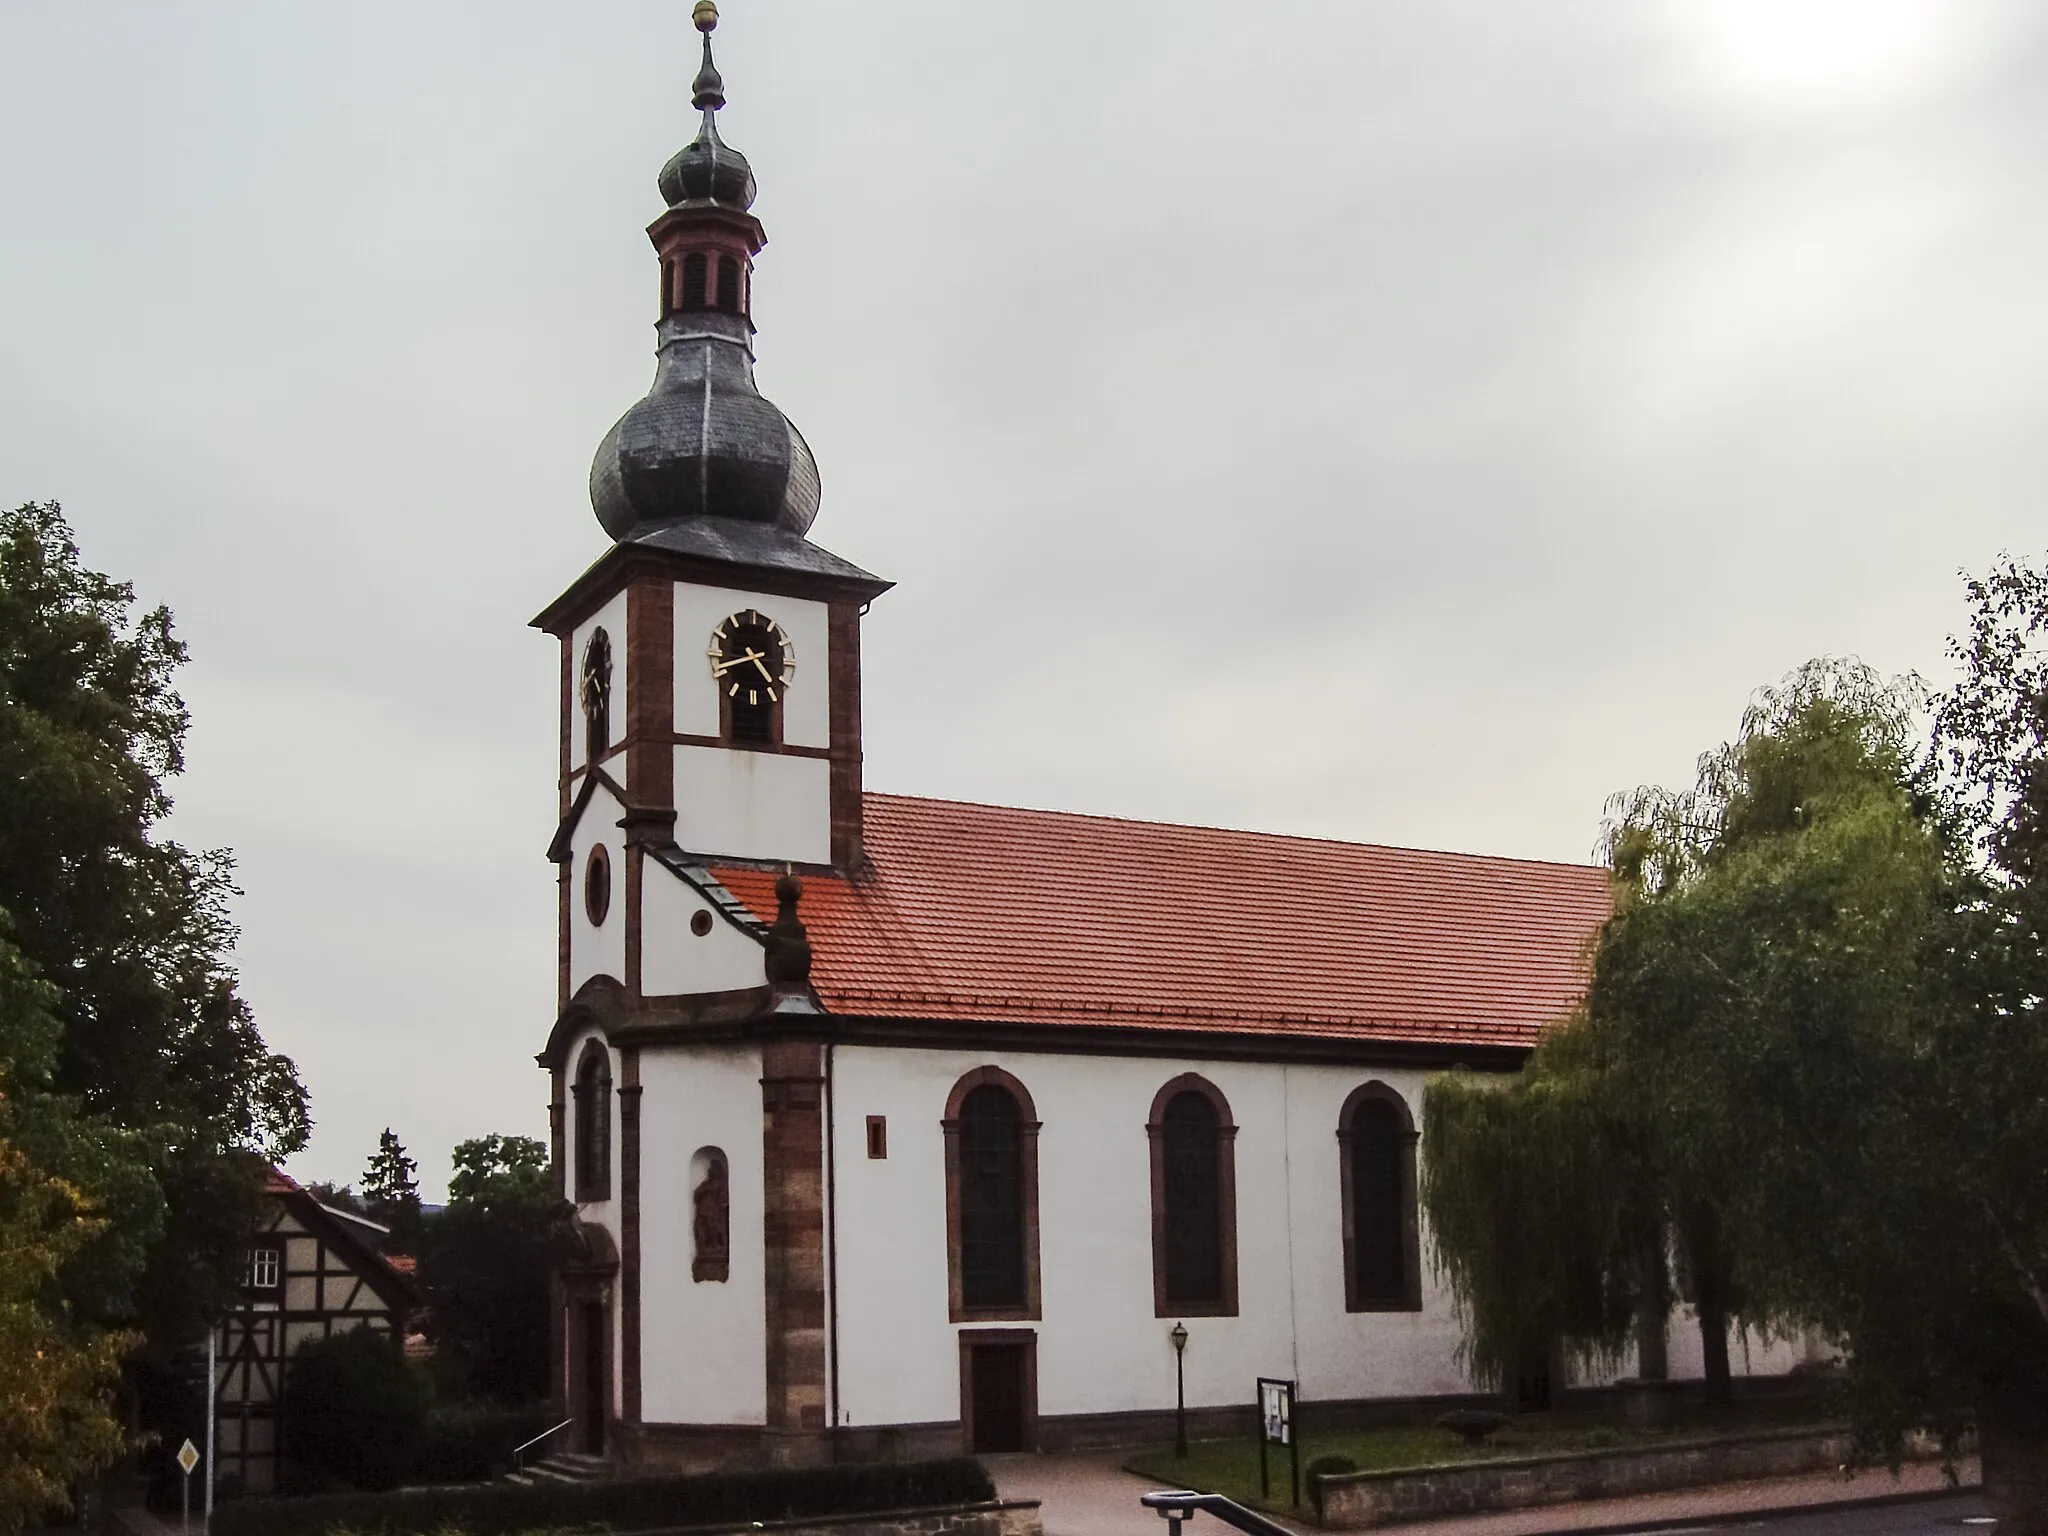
x: 469, y: 1442
x: 502, y: 1509
x: 353, y: 1408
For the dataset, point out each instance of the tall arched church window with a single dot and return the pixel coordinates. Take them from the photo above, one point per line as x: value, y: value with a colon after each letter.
x: 991, y: 1198
x: 593, y: 1141
x: 1382, y: 1253
x: 729, y: 284
x: 695, y: 272
x: 1194, y: 1200
x: 595, y: 690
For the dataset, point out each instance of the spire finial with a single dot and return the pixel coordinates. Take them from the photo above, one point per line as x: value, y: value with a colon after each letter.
x: 710, y: 90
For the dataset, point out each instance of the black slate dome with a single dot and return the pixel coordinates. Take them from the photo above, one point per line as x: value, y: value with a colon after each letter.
x: 707, y: 170
x: 704, y: 443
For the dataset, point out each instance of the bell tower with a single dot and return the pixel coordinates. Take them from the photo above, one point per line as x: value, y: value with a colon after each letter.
x: 711, y: 656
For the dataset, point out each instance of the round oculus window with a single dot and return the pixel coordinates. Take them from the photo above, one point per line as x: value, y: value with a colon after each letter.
x: 597, y: 885
x: 700, y: 923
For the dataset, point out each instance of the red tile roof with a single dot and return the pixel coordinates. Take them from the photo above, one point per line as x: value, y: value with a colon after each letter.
x: 988, y: 913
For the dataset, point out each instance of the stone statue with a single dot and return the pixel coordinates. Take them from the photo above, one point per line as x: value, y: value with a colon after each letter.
x: 711, y: 1223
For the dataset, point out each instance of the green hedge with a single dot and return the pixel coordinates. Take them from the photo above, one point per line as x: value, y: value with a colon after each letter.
x: 469, y: 1442
x: 500, y: 1509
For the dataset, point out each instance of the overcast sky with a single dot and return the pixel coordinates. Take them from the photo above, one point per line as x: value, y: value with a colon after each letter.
x: 1407, y: 421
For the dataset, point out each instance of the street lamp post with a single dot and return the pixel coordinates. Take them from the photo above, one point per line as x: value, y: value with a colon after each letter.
x: 1179, y: 1336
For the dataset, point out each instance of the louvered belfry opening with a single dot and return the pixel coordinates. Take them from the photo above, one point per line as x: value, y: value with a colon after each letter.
x: 1193, y: 1196
x: 1378, y: 1140
x: 753, y: 720
x: 696, y: 276
x: 991, y: 1200
x: 729, y: 284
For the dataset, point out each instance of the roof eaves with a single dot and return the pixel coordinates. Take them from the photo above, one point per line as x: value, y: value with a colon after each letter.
x: 700, y: 879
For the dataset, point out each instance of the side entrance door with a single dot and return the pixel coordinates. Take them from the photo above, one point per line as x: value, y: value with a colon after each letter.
x: 595, y: 1348
x: 999, y: 1390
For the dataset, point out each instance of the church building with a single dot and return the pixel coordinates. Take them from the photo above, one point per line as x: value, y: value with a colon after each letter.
x: 902, y: 1126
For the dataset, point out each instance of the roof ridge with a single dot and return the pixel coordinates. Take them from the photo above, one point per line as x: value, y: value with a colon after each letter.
x: 1099, y: 817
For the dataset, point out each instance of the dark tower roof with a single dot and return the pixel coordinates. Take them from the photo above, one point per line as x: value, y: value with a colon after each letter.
x: 704, y: 443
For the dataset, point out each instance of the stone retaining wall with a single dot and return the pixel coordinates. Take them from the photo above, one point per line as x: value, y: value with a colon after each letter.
x: 1002, y: 1517
x: 1359, y: 1500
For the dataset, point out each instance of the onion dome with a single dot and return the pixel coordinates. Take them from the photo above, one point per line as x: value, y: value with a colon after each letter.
x: 704, y: 443
x: 707, y: 169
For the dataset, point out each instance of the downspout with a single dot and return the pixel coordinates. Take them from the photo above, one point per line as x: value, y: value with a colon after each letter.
x: 831, y: 1253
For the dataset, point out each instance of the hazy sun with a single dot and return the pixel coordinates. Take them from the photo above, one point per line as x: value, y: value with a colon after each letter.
x: 1827, y: 49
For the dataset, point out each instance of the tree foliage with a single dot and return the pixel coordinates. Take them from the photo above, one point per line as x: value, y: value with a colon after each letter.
x: 131, y: 928
x: 485, y: 1259
x: 391, y: 1189
x: 1818, y: 1005
x: 57, y: 1373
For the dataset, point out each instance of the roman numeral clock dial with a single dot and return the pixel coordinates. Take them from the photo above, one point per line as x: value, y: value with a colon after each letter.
x: 752, y: 662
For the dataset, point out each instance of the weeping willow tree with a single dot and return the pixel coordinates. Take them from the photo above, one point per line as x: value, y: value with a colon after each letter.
x: 1543, y: 1213
x: 1574, y: 1204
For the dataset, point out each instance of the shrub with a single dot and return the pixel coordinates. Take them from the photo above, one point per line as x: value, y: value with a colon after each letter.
x: 353, y: 1408
x: 469, y: 1442
x: 724, y: 1498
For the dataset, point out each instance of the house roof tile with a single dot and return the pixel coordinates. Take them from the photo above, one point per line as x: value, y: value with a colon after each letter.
x: 993, y: 914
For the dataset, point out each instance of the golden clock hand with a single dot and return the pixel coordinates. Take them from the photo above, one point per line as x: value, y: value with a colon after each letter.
x: 737, y: 661
x: 755, y: 658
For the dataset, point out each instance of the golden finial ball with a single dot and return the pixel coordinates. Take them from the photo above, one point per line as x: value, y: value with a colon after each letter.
x: 705, y: 15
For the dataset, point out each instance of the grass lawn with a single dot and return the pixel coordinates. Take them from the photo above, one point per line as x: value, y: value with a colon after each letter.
x: 1231, y: 1467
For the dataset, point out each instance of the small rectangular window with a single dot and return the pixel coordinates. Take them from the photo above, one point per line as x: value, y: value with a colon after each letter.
x: 259, y: 1269
x: 878, y: 1136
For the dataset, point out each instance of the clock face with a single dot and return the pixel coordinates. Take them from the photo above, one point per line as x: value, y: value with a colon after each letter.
x: 751, y: 658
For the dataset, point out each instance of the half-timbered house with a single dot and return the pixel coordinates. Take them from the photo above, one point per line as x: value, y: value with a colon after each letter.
x: 310, y: 1270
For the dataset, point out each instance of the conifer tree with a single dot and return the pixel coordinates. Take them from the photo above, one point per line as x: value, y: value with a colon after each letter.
x: 391, y: 1189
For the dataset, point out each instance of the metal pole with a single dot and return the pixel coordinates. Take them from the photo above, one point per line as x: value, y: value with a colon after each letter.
x: 212, y: 1378
x: 1294, y: 1435
x: 185, y: 1506
x: 1180, y: 1403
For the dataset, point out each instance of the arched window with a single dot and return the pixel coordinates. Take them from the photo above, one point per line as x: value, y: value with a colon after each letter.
x: 991, y: 1198
x: 729, y: 284
x: 668, y: 289
x: 694, y: 280
x: 1194, y: 1201
x: 593, y: 1093
x: 1382, y: 1264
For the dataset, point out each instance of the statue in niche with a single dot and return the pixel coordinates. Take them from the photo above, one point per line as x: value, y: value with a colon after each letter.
x: 711, y: 1223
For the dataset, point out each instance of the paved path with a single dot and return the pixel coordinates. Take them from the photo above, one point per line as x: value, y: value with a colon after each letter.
x: 1091, y: 1495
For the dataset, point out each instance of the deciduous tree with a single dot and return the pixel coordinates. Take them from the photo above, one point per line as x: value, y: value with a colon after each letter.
x: 130, y: 927
x: 485, y: 1259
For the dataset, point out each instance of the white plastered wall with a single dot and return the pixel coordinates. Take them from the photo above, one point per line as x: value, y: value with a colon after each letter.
x: 806, y: 708
x: 673, y: 959
x: 703, y: 1344
x: 754, y: 805
x: 597, y: 950
x: 611, y: 618
x: 1100, y: 1347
